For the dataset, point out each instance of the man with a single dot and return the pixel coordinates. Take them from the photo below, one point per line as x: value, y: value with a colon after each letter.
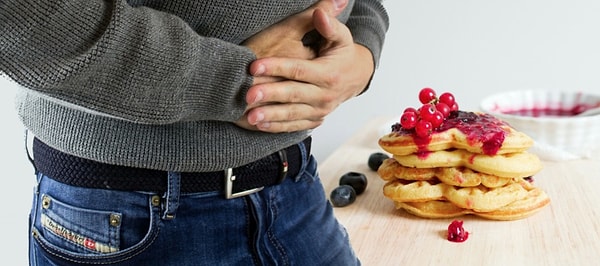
x: 178, y: 132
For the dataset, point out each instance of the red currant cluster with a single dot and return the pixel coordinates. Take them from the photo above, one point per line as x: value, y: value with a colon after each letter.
x: 431, y: 114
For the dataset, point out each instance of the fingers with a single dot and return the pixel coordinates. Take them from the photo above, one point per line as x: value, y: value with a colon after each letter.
x: 288, y: 106
x: 284, y: 117
x: 294, y: 69
x: 287, y: 91
x: 243, y: 123
x: 288, y: 126
x: 331, y: 29
x: 332, y: 7
x: 336, y: 36
x: 302, y: 22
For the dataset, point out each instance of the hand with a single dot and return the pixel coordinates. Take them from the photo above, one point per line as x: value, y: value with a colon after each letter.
x: 285, y: 39
x: 310, y: 89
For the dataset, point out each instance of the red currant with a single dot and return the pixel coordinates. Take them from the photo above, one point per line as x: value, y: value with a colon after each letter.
x: 443, y: 108
x: 437, y: 119
x: 454, y: 107
x: 427, y: 95
x: 447, y: 98
x: 423, y: 128
x: 456, y: 232
x: 408, y: 120
x: 410, y: 109
x: 427, y: 111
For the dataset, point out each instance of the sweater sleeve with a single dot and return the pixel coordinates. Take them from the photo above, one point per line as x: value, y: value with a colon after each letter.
x: 134, y: 63
x: 369, y: 23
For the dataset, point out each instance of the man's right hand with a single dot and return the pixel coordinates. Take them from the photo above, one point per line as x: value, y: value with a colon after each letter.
x: 285, y: 38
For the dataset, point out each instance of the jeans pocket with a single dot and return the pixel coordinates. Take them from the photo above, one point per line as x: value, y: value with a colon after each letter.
x: 73, y: 226
x: 79, y: 230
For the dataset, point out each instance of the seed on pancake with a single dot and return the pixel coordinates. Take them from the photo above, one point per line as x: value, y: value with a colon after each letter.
x: 376, y: 159
x: 342, y: 196
x: 357, y: 181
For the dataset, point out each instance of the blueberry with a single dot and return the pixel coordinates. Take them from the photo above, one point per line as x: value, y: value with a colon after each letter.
x: 376, y: 159
x: 342, y: 196
x: 357, y: 181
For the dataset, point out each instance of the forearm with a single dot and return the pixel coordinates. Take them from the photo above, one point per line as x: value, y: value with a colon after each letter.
x: 135, y: 63
x: 368, y: 23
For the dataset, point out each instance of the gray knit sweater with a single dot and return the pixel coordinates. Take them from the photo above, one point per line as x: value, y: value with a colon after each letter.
x: 149, y: 83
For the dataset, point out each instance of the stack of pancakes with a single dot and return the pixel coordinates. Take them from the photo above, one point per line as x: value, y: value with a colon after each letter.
x: 474, y: 164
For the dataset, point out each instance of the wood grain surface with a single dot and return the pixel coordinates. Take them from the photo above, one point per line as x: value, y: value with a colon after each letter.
x: 567, y: 232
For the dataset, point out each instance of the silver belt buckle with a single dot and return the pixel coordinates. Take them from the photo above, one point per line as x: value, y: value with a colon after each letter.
x: 229, y: 178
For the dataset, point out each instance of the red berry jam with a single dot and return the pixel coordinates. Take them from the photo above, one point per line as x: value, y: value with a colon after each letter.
x: 550, y: 111
x: 456, y: 232
x: 479, y: 128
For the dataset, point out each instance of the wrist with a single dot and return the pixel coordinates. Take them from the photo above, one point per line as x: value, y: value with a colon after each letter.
x: 366, y: 57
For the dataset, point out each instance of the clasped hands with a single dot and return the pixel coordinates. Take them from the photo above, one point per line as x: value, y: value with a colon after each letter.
x: 295, y: 86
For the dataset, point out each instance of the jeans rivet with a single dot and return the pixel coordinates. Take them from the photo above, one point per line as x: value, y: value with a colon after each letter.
x: 155, y: 200
x: 46, y: 202
x: 115, y: 220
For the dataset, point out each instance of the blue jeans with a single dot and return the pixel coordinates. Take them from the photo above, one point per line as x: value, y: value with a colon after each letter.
x: 288, y: 224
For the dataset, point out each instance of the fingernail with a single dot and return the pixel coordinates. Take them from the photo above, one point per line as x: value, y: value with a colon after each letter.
x: 260, y: 69
x: 264, y: 125
x: 259, y: 96
x: 259, y: 117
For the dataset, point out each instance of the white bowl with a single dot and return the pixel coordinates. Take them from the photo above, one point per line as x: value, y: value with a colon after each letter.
x: 548, y: 118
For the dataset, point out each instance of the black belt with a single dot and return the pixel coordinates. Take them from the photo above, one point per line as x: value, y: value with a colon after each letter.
x: 243, y: 180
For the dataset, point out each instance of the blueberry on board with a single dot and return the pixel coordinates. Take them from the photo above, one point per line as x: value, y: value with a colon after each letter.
x: 376, y: 159
x: 342, y: 196
x: 357, y: 181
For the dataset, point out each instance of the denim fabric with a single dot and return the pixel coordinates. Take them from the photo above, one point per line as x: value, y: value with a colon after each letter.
x: 287, y: 224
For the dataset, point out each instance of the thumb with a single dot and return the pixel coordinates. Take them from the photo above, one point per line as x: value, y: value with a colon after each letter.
x: 303, y: 21
x: 331, y: 29
x: 331, y: 7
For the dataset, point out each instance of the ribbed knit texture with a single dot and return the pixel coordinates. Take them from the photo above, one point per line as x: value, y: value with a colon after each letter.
x: 144, y: 83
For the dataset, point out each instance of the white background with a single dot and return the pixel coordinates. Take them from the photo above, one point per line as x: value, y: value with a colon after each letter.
x: 471, y: 48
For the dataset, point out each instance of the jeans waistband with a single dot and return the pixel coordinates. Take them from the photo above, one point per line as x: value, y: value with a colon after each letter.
x: 81, y: 172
